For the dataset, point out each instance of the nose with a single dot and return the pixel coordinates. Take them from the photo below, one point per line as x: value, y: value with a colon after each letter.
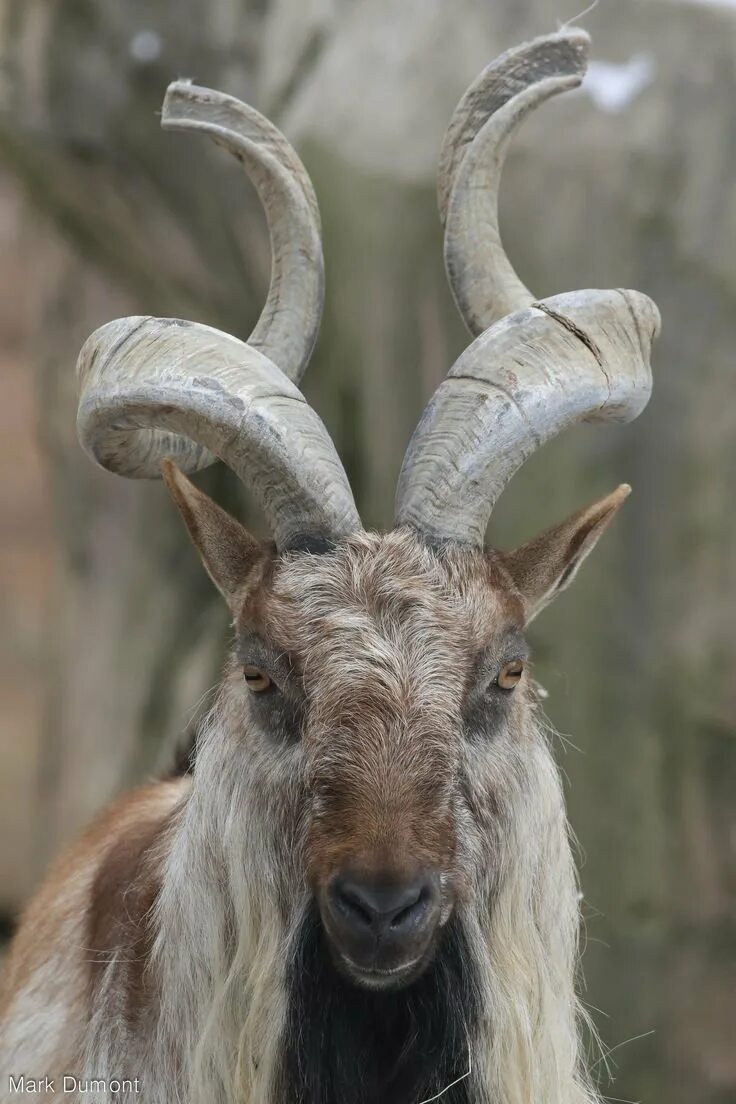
x: 373, y: 912
x: 379, y: 907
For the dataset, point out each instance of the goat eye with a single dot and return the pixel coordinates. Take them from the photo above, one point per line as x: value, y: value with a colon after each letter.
x: 510, y: 674
x: 256, y: 679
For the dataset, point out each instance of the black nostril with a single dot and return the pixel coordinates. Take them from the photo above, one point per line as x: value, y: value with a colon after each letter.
x: 382, y: 906
x: 410, y: 911
x: 351, y: 906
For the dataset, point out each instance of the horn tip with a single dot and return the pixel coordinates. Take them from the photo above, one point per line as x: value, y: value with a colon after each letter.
x: 575, y: 35
x: 576, y: 44
x: 178, y: 95
x: 579, y: 42
x: 572, y: 36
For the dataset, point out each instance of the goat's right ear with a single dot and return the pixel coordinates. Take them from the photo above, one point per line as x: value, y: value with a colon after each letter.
x: 228, y: 550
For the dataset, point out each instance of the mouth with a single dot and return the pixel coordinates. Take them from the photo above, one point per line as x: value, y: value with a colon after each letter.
x: 383, y: 979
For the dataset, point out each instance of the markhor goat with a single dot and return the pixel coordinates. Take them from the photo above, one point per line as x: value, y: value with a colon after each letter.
x: 365, y: 894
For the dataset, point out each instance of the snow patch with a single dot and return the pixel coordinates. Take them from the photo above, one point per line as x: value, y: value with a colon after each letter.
x: 145, y: 46
x: 613, y: 87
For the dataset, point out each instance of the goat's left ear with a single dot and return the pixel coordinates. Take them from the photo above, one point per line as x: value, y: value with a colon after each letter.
x: 227, y: 550
x: 547, y: 564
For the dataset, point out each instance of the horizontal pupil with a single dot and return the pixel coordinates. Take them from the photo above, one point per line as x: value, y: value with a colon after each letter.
x: 510, y: 674
x: 254, y: 675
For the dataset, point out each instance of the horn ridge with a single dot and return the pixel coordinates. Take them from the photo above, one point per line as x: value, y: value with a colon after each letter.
x: 564, y: 54
x: 483, y: 281
x: 287, y: 328
x: 535, y: 367
x: 510, y: 392
x: 156, y: 388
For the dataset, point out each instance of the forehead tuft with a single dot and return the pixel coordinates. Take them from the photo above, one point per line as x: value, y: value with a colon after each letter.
x: 390, y: 587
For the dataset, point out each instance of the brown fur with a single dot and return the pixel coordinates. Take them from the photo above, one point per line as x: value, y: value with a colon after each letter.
x: 102, y: 888
x: 119, y: 915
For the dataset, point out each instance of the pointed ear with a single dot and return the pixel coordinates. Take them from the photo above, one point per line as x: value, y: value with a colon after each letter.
x: 547, y: 564
x: 228, y: 550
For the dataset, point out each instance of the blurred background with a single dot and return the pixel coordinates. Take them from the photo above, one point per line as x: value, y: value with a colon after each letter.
x: 111, y: 632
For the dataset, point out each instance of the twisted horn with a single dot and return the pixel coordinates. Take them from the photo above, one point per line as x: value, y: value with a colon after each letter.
x: 154, y: 388
x: 536, y: 367
x: 287, y: 328
x: 483, y: 282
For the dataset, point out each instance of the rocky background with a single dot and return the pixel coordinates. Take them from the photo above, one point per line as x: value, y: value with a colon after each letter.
x: 112, y: 633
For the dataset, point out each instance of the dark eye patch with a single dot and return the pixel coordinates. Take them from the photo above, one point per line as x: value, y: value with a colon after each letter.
x: 279, y: 711
x: 485, y: 702
x: 491, y: 660
x: 253, y: 651
x: 277, y: 717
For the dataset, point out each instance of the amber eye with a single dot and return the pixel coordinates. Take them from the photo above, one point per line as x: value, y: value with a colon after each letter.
x: 256, y: 679
x: 510, y: 674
